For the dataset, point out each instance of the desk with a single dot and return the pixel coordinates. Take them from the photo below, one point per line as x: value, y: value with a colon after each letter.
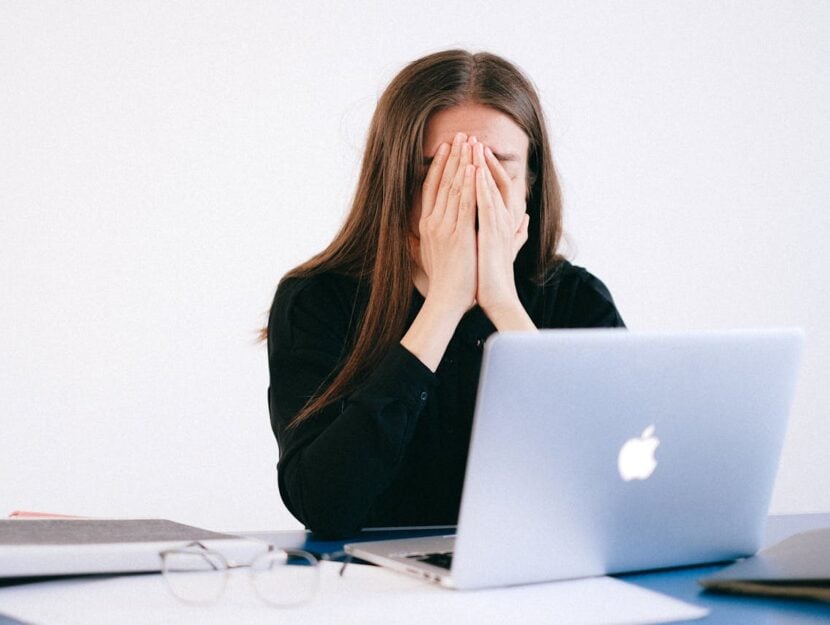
x: 678, y: 583
x: 121, y: 595
x: 732, y: 609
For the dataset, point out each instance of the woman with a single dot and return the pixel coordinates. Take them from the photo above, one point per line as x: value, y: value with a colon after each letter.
x: 375, y: 344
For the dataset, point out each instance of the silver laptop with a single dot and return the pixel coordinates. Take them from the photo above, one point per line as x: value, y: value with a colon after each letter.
x: 607, y: 451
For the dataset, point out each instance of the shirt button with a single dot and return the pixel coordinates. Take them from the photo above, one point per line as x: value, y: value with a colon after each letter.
x: 479, y: 342
x: 423, y: 395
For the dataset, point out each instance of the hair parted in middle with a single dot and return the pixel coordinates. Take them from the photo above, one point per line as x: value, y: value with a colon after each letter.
x: 373, y: 247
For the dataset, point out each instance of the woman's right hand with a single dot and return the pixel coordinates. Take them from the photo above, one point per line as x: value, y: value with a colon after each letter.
x: 447, y: 228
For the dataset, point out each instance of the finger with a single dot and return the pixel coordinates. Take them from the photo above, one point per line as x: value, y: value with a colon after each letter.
x: 486, y: 210
x: 478, y: 155
x: 491, y: 181
x: 495, y: 193
x: 499, y: 172
x: 454, y: 198
x: 522, y: 231
x: 467, y: 153
x: 433, y: 178
x: 471, y: 144
x: 449, y: 175
x: 467, y: 203
x: 520, y: 237
x: 504, y: 184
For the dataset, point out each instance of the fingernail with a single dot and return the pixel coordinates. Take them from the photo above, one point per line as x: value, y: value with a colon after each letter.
x: 489, y: 151
x: 442, y: 149
x: 459, y: 137
x: 473, y: 140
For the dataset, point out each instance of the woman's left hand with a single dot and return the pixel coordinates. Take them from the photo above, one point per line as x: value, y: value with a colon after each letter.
x: 502, y: 231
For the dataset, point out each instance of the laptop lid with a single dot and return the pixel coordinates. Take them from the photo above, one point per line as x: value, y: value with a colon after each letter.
x: 602, y: 451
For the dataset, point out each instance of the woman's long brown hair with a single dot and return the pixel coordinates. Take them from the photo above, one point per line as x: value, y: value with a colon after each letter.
x: 373, y: 246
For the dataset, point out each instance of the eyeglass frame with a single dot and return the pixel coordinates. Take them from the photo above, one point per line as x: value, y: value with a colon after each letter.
x: 228, y: 566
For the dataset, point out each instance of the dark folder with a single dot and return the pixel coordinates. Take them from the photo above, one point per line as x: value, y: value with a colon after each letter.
x: 798, y: 568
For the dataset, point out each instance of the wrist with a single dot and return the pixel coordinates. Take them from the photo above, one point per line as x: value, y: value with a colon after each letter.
x: 449, y: 309
x: 509, y: 315
x: 431, y: 331
x: 505, y: 305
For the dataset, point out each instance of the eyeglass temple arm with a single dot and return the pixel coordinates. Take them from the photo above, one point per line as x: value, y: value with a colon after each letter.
x: 198, y: 544
x: 336, y: 555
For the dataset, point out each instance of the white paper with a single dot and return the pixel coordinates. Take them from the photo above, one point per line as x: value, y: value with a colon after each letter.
x: 365, y: 595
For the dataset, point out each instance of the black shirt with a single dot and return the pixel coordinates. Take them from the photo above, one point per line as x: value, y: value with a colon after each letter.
x: 394, y: 451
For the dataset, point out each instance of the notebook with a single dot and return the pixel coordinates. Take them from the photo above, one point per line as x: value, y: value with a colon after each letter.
x: 605, y: 451
x: 796, y: 568
x: 53, y: 547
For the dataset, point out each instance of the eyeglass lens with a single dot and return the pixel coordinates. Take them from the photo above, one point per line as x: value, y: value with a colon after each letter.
x: 195, y: 576
x: 285, y: 578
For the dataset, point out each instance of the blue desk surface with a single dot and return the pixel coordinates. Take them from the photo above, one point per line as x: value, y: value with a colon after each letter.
x: 680, y: 583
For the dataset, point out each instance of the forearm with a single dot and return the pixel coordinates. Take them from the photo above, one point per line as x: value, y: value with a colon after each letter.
x: 511, y: 317
x: 431, y: 331
x: 334, y: 465
x: 333, y: 482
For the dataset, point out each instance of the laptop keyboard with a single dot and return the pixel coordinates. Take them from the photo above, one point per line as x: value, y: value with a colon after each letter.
x: 442, y: 559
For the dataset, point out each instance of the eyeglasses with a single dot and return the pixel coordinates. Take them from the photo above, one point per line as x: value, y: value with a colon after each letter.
x: 280, y: 577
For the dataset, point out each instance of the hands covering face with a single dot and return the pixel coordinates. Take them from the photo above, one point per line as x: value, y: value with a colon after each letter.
x: 465, y: 266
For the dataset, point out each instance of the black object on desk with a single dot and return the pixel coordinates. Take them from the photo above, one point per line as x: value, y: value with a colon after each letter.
x: 730, y: 609
x: 796, y: 568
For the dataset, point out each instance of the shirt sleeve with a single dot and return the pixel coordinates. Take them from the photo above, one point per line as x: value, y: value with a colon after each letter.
x: 334, y: 465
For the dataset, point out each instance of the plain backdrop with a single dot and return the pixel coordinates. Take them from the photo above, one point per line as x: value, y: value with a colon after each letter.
x: 162, y: 164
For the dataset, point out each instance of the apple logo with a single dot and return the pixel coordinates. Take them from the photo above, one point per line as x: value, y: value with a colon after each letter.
x: 636, y: 460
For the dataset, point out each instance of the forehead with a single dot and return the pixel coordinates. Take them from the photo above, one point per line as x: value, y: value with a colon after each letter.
x: 489, y: 126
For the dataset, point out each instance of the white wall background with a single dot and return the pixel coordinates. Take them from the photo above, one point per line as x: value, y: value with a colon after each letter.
x: 163, y: 164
